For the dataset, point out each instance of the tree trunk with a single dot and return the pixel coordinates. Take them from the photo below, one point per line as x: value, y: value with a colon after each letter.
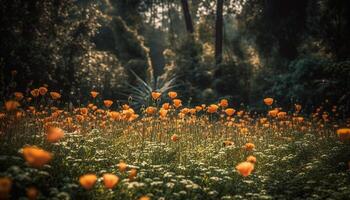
x: 187, y: 15
x: 218, y: 31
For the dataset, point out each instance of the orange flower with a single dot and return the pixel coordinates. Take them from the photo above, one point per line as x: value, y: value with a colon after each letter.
x: 273, y: 113
x: 230, y: 111
x: 126, y: 107
x: 249, y: 146
x: 18, y: 96
x: 174, y: 137
x: 213, y: 108
x: 110, y: 180
x: 11, y: 105
x: 297, y: 107
x: 163, y: 112
x: 114, y: 115
x: 94, y: 94
x: 55, y: 95
x: 5, y: 187
x: 263, y: 120
x: 35, y: 92
x: 84, y: 111
x: 228, y: 143
x: 199, y: 108
x: 32, y: 193
x: 108, y: 103
x: 36, y: 157
x: 156, y: 95
x: 42, y: 91
x: 177, y: 103
x: 122, y: 166
x: 132, y: 174
x: 268, y: 101
x: 54, y: 134
x: 88, y: 181
x: 166, y: 106
x: 223, y: 103
x: 245, y: 168
x: 344, y: 134
x: 144, y: 198
x: 151, y: 110
x: 251, y: 159
x: 281, y: 115
x: 172, y: 95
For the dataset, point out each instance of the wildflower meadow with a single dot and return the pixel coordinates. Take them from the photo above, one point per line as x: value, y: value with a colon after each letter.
x: 107, y: 150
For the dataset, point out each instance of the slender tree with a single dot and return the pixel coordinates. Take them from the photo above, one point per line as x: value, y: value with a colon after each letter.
x: 219, y: 31
x: 187, y: 15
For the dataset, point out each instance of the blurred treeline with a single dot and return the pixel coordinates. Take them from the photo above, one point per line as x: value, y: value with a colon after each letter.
x: 296, y: 51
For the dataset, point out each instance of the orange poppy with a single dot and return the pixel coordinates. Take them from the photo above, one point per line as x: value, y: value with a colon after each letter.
x: 55, y: 95
x: 228, y: 143
x: 251, y: 159
x: 230, y: 111
x: 132, y: 174
x: 54, y: 134
x: 172, y: 95
x: 42, y: 91
x: 84, y: 111
x: 249, y: 146
x: 223, y: 103
x: 213, y: 108
x: 114, y: 115
x: 126, y: 107
x: 199, y: 108
x: 94, y: 94
x: 36, y: 157
x: 88, y: 181
x: 32, y: 193
x: 19, y: 96
x: 281, y: 115
x: 108, y: 103
x: 297, y: 107
x: 5, y: 187
x: 35, y: 92
x: 156, y: 95
x: 122, y: 166
x: 151, y: 110
x: 177, y: 103
x: 163, y: 112
x: 11, y: 105
x: 245, y: 168
x: 344, y: 134
x: 110, y: 180
x: 144, y: 198
x: 273, y: 113
x: 268, y: 101
x: 166, y: 106
x: 174, y: 137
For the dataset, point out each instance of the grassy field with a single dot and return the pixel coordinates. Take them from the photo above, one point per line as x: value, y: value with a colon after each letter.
x: 168, y: 151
